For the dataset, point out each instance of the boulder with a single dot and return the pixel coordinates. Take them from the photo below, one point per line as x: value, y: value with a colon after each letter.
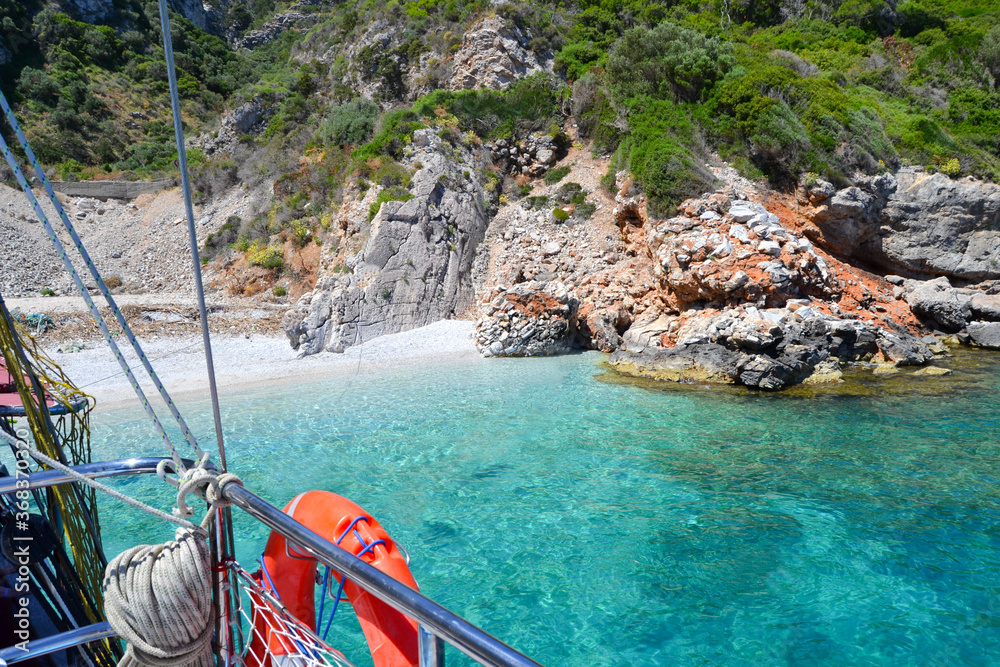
x: 914, y: 223
x: 936, y: 300
x: 985, y: 334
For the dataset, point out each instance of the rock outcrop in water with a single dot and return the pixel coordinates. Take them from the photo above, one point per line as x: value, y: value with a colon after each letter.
x: 971, y: 313
x: 725, y: 291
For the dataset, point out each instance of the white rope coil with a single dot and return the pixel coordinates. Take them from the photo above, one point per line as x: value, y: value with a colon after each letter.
x: 158, y: 598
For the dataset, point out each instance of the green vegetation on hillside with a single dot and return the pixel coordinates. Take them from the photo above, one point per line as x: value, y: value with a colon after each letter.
x: 776, y: 87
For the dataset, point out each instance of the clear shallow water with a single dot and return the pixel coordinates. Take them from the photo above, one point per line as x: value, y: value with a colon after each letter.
x: 589, y: 522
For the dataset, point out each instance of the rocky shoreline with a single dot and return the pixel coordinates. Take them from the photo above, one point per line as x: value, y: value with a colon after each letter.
x: 742, y: 286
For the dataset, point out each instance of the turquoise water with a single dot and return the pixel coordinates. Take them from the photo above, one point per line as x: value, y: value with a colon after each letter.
x: 588, y: 522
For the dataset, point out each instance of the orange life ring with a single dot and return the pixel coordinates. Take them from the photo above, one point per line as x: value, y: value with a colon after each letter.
x: 392, y: 637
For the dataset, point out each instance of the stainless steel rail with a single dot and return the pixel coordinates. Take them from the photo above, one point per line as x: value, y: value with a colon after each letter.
x: 436, y: 623
x: 65, y: 640
x: 467, y: 638
x: 40, y: 480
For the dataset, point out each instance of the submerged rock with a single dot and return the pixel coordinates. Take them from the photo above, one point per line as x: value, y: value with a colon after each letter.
x: 932, y: 371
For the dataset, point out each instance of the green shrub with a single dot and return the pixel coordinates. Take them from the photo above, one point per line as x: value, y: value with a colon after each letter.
x: 350, y: 124
x: 575, y: 59
x: 989, y: 51
x: 584, y: 211
x: 571, y: 193
x: 553, y: 176
x: 394, y: 193
x: 950, y: 167
x: 780, y: 141
x: 560, y: 215
x: 869, y: 142
x: 267, y: 256
x: 668, y: 62
x: 280, y: 290
x: 34, y: 84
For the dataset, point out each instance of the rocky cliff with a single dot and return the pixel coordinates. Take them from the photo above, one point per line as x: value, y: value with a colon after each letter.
x: 408, y: 266
x: 741, y: 286
x: 96, y: 11
x: 912, y: 223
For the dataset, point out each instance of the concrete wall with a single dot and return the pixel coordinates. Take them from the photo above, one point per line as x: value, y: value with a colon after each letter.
x: 112, y: 189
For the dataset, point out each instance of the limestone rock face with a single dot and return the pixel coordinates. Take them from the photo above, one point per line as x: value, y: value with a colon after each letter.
x: 528, y: 320
x: 414, y: 268
x: 92, y: 11
x: 914, y: 223
x: 89, y: 11
x: 739, y: 254
x: 193, y: 10
x: 248, y: 118
x: 494, y: 55
x: 274, y: 27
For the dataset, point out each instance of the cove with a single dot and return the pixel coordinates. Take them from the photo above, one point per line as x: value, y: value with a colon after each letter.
x: 589, y: 522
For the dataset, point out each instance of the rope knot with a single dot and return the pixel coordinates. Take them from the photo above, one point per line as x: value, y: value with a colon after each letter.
x: 202, y: 481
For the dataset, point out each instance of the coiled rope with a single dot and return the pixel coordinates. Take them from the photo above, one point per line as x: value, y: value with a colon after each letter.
x: 158, y: 597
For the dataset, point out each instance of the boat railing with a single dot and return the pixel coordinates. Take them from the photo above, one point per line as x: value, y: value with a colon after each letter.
x: 437, y: 625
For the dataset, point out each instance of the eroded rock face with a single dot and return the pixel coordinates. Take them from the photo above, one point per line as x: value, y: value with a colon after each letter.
x: 528, y: 320
x: 90, y: 11
x: 248, y: 118
x: 414, y: 268
x: 93, y: 11
x: 495, y: 54
x: 733, y: 252
x: 918, y: 224
x: 271, y: 29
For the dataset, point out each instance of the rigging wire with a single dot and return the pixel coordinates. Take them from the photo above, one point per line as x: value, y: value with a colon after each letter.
x: 175, y: 104
x: 102, y: 286
x: 94, y: 312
